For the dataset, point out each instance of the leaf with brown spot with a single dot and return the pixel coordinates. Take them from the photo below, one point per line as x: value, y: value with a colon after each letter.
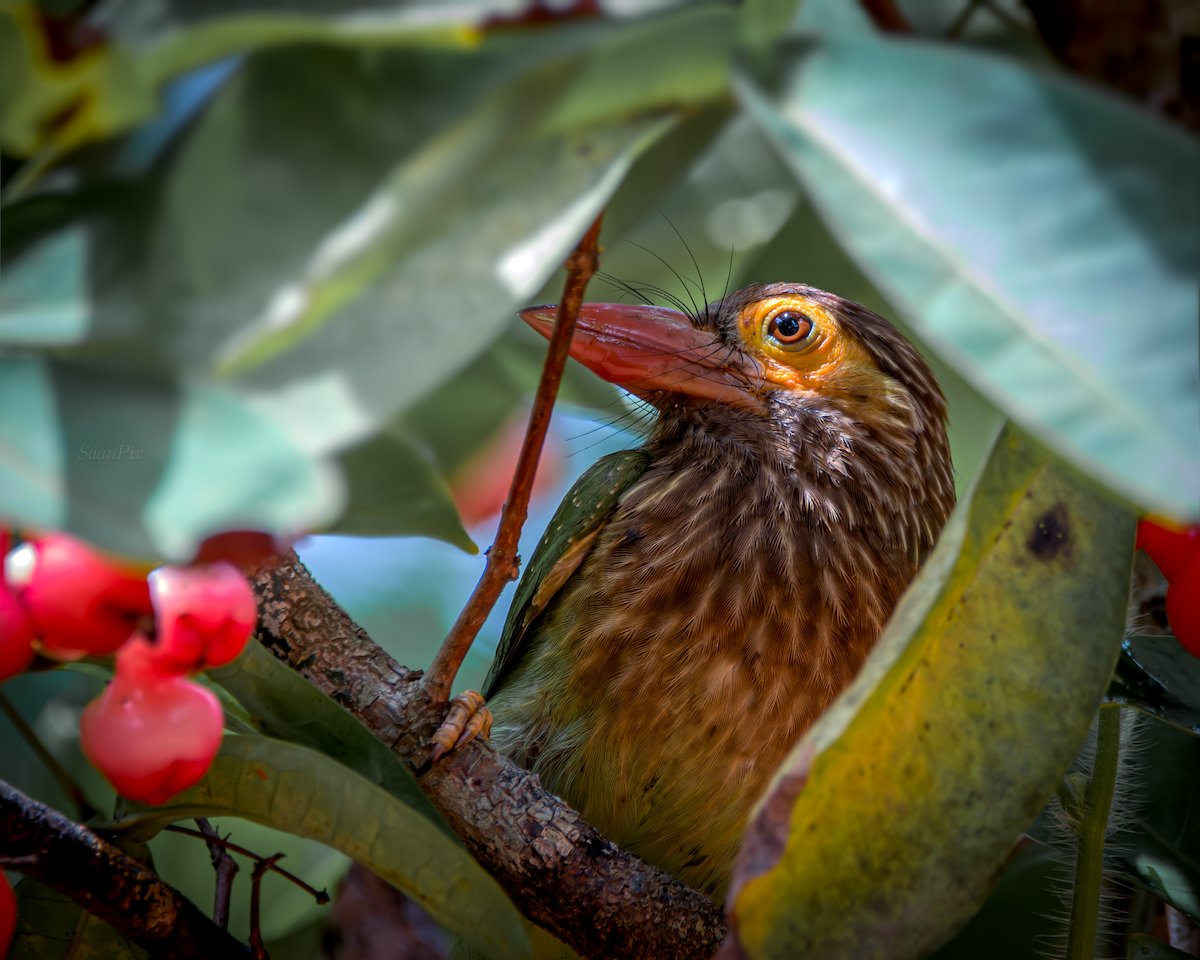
x: 900, y: 806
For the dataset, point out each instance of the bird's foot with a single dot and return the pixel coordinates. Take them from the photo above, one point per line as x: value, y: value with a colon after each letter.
x: 467, y: 718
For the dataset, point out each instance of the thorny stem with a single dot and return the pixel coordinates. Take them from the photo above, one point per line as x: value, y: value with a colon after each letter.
x: 226, y: 869
x: 1089, y: 864
x: 321, y: 896
x: 257, y: 950
x: 503, y: 564
x: 70, y: 787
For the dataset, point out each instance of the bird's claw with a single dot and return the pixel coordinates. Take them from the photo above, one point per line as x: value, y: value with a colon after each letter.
x: 467, y: 718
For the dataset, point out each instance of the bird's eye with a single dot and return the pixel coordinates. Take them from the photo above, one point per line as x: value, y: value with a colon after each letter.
x: 790, y: 327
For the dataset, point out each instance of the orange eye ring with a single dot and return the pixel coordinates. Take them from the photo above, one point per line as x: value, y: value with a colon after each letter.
x: 790, y: 327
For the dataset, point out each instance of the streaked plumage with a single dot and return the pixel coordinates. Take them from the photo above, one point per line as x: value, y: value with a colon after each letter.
x: 696, y: 604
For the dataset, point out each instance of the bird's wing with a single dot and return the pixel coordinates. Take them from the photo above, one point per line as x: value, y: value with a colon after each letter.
x: 568, y: 539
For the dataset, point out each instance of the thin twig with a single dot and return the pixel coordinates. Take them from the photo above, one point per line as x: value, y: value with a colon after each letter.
x: 226, y: 869
x: 70, y: 787
x: 321, y: 896
x: 503, y: 564
x: 257, y: 950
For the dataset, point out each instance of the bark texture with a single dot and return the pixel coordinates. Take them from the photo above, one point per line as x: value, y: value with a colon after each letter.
x: 559, y: 871
x: 44, y: 844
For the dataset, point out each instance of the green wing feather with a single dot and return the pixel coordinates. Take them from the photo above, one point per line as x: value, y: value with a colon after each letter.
x: 566, y: 542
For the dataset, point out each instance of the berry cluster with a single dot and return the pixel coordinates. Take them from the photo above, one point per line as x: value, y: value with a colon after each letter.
x: 153, y: 732
x: 1175, y: 550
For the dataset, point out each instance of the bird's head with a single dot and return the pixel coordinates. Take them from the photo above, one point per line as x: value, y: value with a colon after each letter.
x: 789, y: 371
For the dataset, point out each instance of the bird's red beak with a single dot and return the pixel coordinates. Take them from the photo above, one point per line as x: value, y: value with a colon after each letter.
x: 650, y: 350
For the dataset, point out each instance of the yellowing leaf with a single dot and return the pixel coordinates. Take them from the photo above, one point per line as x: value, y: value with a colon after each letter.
x: 890, y: 821
x: 52, y: 104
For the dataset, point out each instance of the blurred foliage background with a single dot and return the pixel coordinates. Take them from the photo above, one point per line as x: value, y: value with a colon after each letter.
x: 261, y: 264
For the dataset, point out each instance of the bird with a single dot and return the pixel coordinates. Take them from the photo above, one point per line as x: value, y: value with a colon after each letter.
x: 698, y: 602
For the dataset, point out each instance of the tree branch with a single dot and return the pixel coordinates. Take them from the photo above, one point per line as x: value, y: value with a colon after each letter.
x: 43, y: 843
x: 559, y: 871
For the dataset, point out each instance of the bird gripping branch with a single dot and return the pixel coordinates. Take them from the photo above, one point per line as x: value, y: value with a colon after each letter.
x: 698, y: 602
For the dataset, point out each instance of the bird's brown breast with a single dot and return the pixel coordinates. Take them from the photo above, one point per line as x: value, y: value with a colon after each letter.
x: 717, y: 616
x: 798, y: 472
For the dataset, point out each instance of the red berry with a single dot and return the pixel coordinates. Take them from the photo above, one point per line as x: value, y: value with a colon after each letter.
x: 8, y: 914
x: 81, y: 601
x: 204, y: 615
x: 243, y: 548
x: 16, y: 636
x: 1167, y: 544
x: 151, y: 733
x: 1183, y: 604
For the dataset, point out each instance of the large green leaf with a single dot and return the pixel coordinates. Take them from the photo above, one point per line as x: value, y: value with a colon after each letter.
x: 1042, y: 235
x: 184, y: 863
x: 804, y: 250
x: 1021, y: 916
x: 303, y: 792
x: 394, y: 490
x: 288, y: 707
x: 407, y: 228
x: 1158, y: 676
x: 146, y: 466
x: 52, y: 926
x: 1161, y: 847
x: 883, y: 831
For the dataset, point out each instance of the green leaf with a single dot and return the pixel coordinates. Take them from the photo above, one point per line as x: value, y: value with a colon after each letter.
x: 303, y: 792
x: 288, y: 707
x: 461, y: 417
x: 1018, y: 919
x: 703, y: 236
x: 184, y: 39
x: 1159, y: 677
x: 52, y: 926
x: 146, y: 467
x: 1018, y: 220
x: 883, y: 831
x: 805, y: 250
x: 764, y: 20
x: 1155, y: 847
x: 164, y: 276
x: 395, y: 491
x: 1159, y: 848
x: 183, y: 862
x: 43, y: 300
x: 444, y: 232
x: 48, y: 105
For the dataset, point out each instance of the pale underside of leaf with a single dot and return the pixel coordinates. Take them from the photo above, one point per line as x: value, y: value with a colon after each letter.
x: 987, y: 203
